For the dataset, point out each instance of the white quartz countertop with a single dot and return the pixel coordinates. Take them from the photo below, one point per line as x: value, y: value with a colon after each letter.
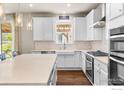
x: 57, y: 50
x: 103, y: 59
x: 27, y: 69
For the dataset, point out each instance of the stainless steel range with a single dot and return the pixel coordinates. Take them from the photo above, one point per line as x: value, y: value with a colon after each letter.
x: 90, y: 63
x: 90, y: 68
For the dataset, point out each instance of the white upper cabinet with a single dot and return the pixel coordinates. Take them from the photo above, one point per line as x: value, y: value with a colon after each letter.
x: 90, y: 18
x: 98, y: 33
x: 37, y: 29
x: 92, y: 33
x: 80, y: 29
x: 99, y: 12
x: 43, y: 28
x: 89, y: 22
x: 116, y: 9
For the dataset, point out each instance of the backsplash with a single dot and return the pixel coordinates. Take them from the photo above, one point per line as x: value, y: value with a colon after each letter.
x: 52, y: 45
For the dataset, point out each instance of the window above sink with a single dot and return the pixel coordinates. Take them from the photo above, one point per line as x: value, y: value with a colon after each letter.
x: 64, y: 32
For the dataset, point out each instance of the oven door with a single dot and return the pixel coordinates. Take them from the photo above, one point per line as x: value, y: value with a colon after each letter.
x: 116, y: 70
x: 89, y: 70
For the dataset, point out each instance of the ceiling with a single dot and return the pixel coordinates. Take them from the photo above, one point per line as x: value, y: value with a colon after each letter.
x: 56, y: 8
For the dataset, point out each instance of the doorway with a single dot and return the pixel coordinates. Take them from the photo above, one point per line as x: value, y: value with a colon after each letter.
x: 7, y: 39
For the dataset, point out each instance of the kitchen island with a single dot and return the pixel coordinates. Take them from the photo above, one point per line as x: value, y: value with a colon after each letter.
x: 29, y: 69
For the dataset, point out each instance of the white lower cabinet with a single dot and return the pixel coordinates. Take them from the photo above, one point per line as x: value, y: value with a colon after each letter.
x: 83, y: 62
x: 103, y: 78
x: 60, y: 61
x: 65, y: 60
x: 78, y: 59
x: 100, y: 73
x: 69, y: 61
x: 96, y: 75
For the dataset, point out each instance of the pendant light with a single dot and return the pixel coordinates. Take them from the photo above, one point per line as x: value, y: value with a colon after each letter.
x: 2, y: 13
x: 19, y: 17
x: 29, y: 20
x: 1, y: 10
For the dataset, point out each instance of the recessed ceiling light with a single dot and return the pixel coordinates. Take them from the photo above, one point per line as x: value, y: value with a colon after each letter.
x: 30, y: 5
x: 68, y: 5
x: 64, y: 12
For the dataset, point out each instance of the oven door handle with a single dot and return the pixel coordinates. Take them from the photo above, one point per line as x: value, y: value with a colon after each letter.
x: 116, y: 36
x: 89, y: 61
x: 118, y: 61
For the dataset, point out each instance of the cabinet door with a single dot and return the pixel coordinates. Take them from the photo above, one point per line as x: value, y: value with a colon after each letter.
x: 60, y: 61
x: 98, y: 13
x: 116, y: 9
x: 48, y: 29
x: 43, y: 28
x: 69, y: 61
x: 37, y: 29
x: 90, y: 33
x: 89, y: 18
x: 98, y: 33
x: 89, y: 22
x: 96, y: 75
x: 83, y: 63
x: 103, y: 78
x: 78, y: 59
x: 80, y: 28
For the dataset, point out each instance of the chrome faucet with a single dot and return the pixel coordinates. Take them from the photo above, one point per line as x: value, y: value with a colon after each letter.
x: 64, y: 46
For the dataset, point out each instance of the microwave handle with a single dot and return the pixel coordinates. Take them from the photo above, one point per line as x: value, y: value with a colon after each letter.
x: 121, y: 62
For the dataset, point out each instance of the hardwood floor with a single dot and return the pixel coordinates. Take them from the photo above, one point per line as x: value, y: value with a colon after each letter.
x: 73, y: 77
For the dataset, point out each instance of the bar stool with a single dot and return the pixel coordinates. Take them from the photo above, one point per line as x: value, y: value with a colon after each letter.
x: 2, y: 56
x: 14, y: 53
